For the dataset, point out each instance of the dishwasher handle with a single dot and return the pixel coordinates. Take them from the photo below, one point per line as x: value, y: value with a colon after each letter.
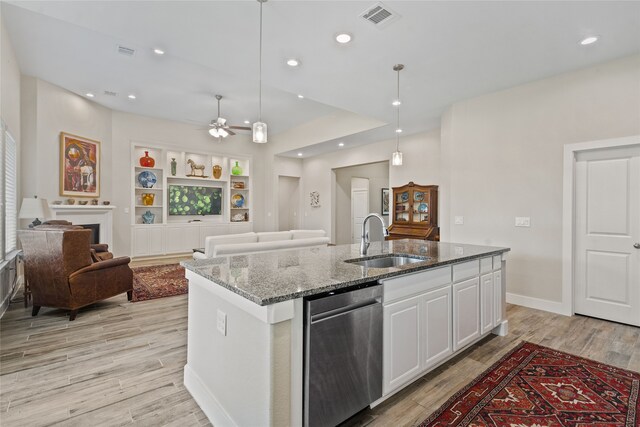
x: 344, y: 310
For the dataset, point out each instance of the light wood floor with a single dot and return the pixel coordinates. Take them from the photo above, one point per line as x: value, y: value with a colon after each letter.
x: 120, y: 363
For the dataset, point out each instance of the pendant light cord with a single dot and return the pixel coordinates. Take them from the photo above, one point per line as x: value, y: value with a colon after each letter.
x: 398, y: 115
x: 260, y: 69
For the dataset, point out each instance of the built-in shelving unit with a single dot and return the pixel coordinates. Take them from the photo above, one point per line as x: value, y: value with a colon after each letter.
x: 169, y: 234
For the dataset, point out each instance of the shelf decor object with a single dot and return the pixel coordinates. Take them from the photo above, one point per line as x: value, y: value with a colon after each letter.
x: 147, y: 161
x: 259, y: 127
x: 147, y: 199
x: 79, y: 166
x: 217, y: 171
x: 147, y: 179
x: 237, y: 201
x: 415, y: 212
x: 174, y: 166
x: 236, y: 170
x: 197, y: 170
x: 148, y: 217
x: 396, y: 157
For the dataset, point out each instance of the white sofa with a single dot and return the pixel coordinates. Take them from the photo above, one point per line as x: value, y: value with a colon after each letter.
x: 248, y: 243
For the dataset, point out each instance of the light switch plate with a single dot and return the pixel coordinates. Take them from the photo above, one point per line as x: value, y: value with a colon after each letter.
x: 221, y: 324
x: 523, y: 221
x: 459, y: 220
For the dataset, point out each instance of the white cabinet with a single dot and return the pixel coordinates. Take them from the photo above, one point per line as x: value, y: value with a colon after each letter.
x: 147, y: 240
x: 487, y: 302
x: 498, y: 298
x: 401, y: 342
x: 181, y: 238
x: 466, y: 312
x: 438, y: 323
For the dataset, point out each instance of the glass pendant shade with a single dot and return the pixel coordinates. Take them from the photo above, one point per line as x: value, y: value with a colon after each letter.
x: 396, y: 158
x: 260, y: 132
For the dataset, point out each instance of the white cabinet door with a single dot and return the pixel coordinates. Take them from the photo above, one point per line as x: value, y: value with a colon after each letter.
x: 401, y: 342
x: 140, y: 241
x: 156, y: 241
x: 466, y: 313
x: 437, y: 326
x: 486, y: 303
x: 181, y: 238
x: 498, y: 305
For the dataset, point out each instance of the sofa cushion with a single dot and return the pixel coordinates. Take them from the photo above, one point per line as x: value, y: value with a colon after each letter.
x: 306, y: 234
x: 278, y: 245
x: 273, y: 236
x: 212, y: 241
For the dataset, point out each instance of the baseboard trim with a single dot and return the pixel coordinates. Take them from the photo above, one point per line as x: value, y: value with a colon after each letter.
x: 205, y: 399
x: 536, y: 303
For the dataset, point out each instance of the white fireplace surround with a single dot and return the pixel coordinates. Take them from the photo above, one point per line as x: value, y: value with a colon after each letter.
x: 88, y: 214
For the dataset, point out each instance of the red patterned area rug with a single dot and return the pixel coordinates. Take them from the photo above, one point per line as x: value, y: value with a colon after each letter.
x: 158, y: 281
x: 535, y: 386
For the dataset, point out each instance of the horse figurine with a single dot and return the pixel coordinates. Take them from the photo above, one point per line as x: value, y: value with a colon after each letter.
x: 195, y: 168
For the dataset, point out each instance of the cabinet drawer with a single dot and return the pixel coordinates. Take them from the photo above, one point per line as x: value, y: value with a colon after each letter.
x: 413, y: 284
x: 485, y: 265
x: 466, y: 270
x: 497, y: 262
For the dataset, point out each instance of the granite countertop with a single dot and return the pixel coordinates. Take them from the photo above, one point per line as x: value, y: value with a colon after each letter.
x: 270, y: 277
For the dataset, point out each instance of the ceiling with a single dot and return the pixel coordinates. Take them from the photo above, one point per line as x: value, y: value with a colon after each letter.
x: 451, y: 50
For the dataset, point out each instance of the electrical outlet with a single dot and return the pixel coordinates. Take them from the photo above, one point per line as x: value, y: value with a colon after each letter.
x: 459, y: 220
x: 222, y: 322
x: 126, y: 210
x: 523, y: 221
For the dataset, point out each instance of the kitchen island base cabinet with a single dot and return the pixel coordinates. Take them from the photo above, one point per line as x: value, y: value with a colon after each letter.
x: 466, y: 313
x: 438, y: 325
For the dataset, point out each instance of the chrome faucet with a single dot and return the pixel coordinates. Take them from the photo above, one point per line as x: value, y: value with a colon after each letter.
x: 364, y: 237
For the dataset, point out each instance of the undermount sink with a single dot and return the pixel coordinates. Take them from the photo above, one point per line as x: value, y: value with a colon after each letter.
x: 387, y: 261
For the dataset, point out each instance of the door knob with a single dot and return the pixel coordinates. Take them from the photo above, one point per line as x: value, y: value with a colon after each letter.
x: 637, y: 245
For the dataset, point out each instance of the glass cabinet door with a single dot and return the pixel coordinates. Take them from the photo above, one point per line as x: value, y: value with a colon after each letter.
x: 402, y: 206
x: 421, y: 204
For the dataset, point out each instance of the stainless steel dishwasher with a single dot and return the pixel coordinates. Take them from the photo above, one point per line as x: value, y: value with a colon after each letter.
x: 342, y: 354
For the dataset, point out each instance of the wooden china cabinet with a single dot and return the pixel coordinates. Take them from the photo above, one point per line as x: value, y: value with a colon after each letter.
x: 415, y: 212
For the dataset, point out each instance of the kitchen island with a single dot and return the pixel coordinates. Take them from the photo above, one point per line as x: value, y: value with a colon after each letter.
x: 245, y: 326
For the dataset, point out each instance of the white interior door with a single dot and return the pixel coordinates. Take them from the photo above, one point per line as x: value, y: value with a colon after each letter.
x: 607, y: 234
x: 288, y: 202
x: 359, y: 206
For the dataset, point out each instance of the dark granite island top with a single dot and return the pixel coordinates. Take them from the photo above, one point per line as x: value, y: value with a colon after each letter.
x: 270, y: 277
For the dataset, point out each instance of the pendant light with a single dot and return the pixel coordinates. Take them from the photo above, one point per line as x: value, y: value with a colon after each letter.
x: 259, y: 127
x: 396, y: 157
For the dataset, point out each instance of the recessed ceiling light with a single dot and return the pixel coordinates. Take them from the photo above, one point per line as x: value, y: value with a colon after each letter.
x: 343, y: 38
x: 293, y: 62
x: 341, y: 144
x: 301, y: 96
x: 396, y: 102
x: 398, y: 130
x: 589, y: 40
x: 299, y: 154
x: 89, y: 95
x: 158, y: 51
x: 131, y: 96
x: 247, y: 122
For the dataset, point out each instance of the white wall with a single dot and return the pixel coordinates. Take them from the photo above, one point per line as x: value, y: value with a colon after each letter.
x: 378, y: 178
x: 502, y: 157
x: 48, y: 109
x: 9, y: 84
x: 421, y: 165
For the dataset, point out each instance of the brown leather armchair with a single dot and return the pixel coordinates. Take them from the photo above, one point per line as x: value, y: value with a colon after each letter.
x: 62, y: 273
x: 99, y: 251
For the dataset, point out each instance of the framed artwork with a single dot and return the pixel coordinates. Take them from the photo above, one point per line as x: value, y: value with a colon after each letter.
x: 385, y: 201
x: 315, y: 199
x: 79, y: 166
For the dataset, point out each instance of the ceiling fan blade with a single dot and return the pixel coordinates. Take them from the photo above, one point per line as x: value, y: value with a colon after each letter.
x: 240, y: 127
x: 230, y: 132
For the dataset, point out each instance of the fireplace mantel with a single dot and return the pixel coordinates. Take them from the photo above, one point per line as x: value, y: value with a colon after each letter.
x: 88, y: 214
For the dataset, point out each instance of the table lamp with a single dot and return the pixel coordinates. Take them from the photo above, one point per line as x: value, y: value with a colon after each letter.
x: 34, y: 208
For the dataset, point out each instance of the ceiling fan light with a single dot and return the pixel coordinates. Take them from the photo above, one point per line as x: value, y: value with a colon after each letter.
x: 223, y: 133
x: 396, y: 158
x: 214, y: 133
x: 260, y: 132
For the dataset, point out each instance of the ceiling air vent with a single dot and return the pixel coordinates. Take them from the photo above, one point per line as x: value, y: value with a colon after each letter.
x: 110, y: 93
x: 379, y: 15
x: 127, y: 51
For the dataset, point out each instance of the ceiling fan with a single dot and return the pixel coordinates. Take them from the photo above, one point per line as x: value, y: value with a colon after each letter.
x: 219, y: 128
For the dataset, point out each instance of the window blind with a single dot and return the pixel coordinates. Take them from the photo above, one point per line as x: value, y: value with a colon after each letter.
x: 2, y: 144
x: 11, y: 193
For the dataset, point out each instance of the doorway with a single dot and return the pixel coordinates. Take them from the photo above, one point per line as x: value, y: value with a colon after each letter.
x: 359, y: 206
x: 604, y: 227
x: 288, y: 202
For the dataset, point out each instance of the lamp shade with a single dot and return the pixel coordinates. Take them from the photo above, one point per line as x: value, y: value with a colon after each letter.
x: 34, y: 208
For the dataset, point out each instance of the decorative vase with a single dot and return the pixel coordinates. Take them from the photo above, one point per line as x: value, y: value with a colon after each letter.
x: 147, y: 199
x: 236, y: 170
x: 148, y: 217
x: 147, y: 161
x: 217, y: 171
x: 174, y: 165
